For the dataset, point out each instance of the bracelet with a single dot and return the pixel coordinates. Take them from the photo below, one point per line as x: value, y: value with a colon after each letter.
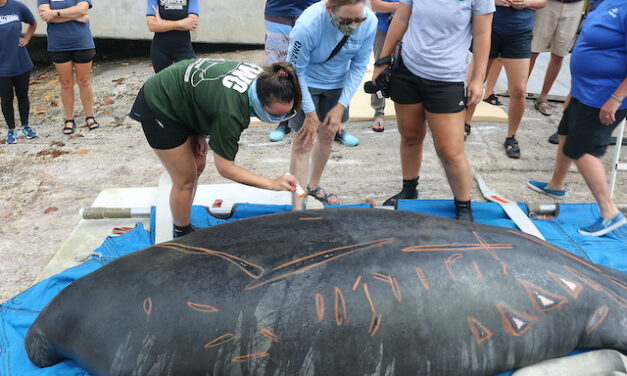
x: 58, y: 13
x: 617, y: 98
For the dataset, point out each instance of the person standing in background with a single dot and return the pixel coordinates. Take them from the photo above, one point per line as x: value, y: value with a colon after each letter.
x: 171, y: 21
x: 71, y: 48
x: 15, y: 65
x: 384, y: 10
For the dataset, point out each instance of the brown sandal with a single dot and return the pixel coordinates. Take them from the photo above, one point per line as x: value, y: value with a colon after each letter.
x: 544, y: 107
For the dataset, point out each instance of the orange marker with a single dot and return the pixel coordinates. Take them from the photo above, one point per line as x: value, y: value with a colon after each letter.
x: 300, y: 192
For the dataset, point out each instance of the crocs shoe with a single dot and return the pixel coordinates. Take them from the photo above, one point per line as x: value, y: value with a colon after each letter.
x: 542, y: 187
x: 554, y: 139
x: 29, y: 132
x: 346, y: 139
x: 279, y: 132
x: 602, y: 226
x: 11, y: 137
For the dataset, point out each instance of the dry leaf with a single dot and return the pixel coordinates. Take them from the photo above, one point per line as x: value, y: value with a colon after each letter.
x: 50, y: 209
x: 82, y: 151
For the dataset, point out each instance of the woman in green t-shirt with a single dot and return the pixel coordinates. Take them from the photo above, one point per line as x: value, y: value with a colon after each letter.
x: 183, y: 104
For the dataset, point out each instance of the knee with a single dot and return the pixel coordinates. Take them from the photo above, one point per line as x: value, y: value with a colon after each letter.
x: 518, y: 91
x: 185, y: 183
x: 84, y: 82
x: 451, y: 156
x: 67, y: 84
x: 412, y: 139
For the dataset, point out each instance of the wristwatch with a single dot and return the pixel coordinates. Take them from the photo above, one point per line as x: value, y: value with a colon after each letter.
x: 58, y: 13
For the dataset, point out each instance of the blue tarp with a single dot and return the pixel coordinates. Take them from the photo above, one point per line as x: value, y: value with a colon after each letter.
x: 17, y: 314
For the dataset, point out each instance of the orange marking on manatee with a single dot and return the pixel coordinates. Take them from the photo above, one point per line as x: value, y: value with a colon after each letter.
x: 475, y: 326
x: 603, y: 310
x: 311, y: 219
x: 270, y: 335
x: 567, y: 254
x: 563, y: 283
x: 507, y: 324
x: 393, y: 283
x: 504, y: 268
x: 486, y: 245
x: 529, y: 287
x: 202, y: 307
x: 356, y: 283
x: 597, y: 286
x: 325, y: 256
x: 220, y: 340
x: 249, y: 357
x: 474, y: 263
x: 450, y: 261
x: 148, y: 305
x: 339, y: 298
x: 376, y: 326
x: 374, y: 312
x: 319, y: 306
x: 421, y: 276
x: 237, y: 261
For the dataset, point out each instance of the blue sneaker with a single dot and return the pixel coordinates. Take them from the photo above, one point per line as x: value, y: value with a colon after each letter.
x: 346, y: 139
x: 11, y: 137
x: 29, y: 132
x: 542, y: 187
x: 279, y: 132
x: 602, y: 226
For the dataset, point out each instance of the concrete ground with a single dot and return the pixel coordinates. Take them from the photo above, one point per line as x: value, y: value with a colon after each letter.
x: 46, y: 180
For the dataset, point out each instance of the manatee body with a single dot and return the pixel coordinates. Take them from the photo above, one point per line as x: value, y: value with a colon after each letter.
x: 334, y: 292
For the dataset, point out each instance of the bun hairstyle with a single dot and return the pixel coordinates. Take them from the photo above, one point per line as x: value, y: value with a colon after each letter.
x: 339, y: 3
x: 278, y: 82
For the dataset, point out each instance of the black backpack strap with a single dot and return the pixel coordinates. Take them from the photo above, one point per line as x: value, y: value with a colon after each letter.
x: 338, y: 47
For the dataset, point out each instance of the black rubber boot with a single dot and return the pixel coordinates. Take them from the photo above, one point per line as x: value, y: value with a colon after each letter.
x: 409, y: 192
x: 463, y: 211
x: 178, y: 231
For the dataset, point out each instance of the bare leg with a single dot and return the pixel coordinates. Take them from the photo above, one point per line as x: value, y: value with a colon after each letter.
x: 320, y: 156
x: 493, y: 76
x: 552, y: 70
x: 66, y: 78
x: 593, y: 172
x: 299, y: 167
x: 184, y: 167
x: 412, y: 126
x: 562, y: 164
x: 83, y: 79
x: 448, y: 137
x: 471, y: 109
x: 532, y: 62
x: 517, y: 70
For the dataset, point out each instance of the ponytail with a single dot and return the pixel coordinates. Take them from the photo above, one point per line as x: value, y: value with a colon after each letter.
x: 279, y: 82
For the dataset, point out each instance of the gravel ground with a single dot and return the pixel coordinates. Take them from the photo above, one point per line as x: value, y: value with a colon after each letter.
x: 44, y: 181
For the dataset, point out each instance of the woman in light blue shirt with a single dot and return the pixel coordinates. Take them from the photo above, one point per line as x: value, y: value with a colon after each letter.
x: 328, y: 81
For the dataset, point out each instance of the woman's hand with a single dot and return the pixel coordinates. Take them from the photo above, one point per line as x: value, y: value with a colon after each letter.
x: 47, y: 14
x: 285, y: 182
x: 306, y: 135
x: 23, y: 41
x: 502, y: 3
x: 201, y: 145
x: 607, y: 115
x: 188, y: 23
x: 474, y: 92
x: 157, y: 15
x: 333, y: 120
x: 377, y: 71
x: 83, y: 19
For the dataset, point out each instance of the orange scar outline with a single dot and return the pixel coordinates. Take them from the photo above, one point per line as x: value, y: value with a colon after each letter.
x: 339, y: 303
x: 605, y: 309
x: 529, y: 286
x: 393, y: 283
x: 249, y: 357
x: 201, y: 307
x: 473, y: 323
x: 270, y: 335
x: 421, y: 276
x: 319, y: 307
x: 450, y: 261
x: 220, y: 340
x: 147, y: 306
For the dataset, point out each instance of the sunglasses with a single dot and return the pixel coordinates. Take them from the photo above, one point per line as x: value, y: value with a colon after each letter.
x: 347, y: 21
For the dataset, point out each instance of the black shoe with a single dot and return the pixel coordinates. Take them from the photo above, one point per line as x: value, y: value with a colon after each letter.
x: 511, y: 147
x: 402, y: 195
x: 178, y: 231
x: 467, y: 130
x: 554, y: 139
x: 463, y: 211
x: 493, y: 100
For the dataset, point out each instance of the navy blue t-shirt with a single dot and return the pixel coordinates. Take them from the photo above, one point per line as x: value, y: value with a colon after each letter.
x: 71, y: 35
x: 14, y: 60
x: 287, y: 8
x: 173, y: 10
x: 510, y: 21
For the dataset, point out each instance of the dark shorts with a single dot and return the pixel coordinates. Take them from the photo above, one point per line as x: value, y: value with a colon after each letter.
x: 324, y: 100
x: 77, y: 56
x: 586, y: 134
x: 161, y: 134
x: 511, y: 46
x: 438, y: 97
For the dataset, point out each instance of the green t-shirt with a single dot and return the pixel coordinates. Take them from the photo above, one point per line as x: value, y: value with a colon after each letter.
x: 209, y: 96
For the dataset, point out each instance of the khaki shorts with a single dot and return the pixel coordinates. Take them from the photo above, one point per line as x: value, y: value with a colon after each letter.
x: 555, y: 27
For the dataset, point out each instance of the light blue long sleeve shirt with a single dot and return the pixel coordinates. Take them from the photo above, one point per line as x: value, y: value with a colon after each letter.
x: 312, y: 40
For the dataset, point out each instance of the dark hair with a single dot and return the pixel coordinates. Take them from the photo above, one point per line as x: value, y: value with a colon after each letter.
x: 339, y: 3
x: 279, y: 82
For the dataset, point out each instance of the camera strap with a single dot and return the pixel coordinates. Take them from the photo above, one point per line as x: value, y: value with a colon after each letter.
x: 338, y: 47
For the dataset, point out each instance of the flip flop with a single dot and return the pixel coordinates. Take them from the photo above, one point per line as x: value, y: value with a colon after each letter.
x: 544, y: 107
x: 378, y: 126
x: 325, y: 196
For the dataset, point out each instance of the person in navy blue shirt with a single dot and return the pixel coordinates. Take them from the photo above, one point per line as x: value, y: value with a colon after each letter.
x: 15, y: 64
x: 71, y: 47
x: 171, y: 21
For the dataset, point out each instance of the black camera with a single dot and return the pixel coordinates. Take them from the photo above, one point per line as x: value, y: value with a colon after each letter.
x: 381, y: 87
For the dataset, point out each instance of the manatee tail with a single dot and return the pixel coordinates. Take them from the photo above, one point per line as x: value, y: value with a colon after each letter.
x: 39, y: 349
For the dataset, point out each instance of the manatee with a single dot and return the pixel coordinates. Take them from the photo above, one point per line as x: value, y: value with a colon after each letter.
x: 334, y: 292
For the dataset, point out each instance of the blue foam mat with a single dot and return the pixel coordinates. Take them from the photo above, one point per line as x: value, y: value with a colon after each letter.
x: 17, y: 314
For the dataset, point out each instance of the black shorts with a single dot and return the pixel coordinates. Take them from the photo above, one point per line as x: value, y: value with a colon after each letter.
x: 161, y: 134
x: 586, y: 134
x: 324, y: 100
x: 77, y: 56
x: 439, y: 97
x: 511, y: 46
